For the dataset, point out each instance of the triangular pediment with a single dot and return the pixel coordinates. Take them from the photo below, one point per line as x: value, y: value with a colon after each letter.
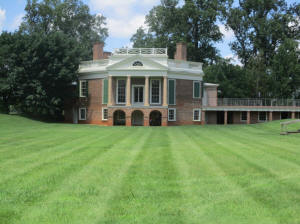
x: 134, y: 63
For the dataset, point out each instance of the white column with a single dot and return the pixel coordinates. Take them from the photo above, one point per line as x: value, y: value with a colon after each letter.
x: 165, y: 91
x: 128, y: 91
x: 146, y: 103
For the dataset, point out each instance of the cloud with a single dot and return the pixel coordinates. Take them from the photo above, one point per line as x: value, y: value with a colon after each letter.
x: 126, y: 27
x: 228, y: 33
x: 17, y: 22
x: 234, y: 59
x: 2, y: 18
x: 123, y: 17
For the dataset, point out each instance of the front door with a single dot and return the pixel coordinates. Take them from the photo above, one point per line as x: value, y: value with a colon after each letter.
x: 138, y: 94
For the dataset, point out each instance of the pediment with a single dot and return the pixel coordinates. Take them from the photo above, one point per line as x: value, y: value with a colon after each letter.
x: 137, y: 62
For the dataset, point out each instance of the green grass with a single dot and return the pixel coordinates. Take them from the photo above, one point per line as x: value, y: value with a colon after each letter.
x: 62, y: 173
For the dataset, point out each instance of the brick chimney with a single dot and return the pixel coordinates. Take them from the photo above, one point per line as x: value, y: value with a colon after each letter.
x: 98, y: 51
x: 181, y: 51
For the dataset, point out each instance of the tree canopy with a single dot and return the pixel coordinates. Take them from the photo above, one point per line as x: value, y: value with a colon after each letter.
x: 39, y: 62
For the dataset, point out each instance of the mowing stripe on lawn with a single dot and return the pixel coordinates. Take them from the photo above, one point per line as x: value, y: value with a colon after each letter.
x: 150, y: 191
x: 209, y: 188
x: 73, y: 191
x: 274, y: 200
x: 48, y: 178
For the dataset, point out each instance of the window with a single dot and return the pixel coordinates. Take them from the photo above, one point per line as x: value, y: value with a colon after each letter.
x: 196, y: 115
x: 83, y: 88
x: 244, y: 116
x: 82, y: 114
x: 104, y: 114
x: 121, y: 91
x: 262, y: 116
x: 155, y: 91
x: 171, y: 114
x: 137, y: 63
x: 196, y: 89
x: 172, y: 92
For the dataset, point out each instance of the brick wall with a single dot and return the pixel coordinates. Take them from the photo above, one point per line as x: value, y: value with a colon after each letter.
x: 185, y: 103
x: 94, y: 104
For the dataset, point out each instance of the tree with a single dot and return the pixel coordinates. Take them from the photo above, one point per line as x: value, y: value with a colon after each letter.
x: 39, y: 71
x: 72, y: 17
x: 231, y: 78
x: 285, y: 71
x: 260, y: 27
x: 194, y: 23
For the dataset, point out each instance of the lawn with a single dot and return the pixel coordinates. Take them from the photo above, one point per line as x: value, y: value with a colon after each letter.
x: 64, y: 173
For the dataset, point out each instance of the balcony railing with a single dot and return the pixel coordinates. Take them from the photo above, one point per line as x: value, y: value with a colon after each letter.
x: 144, y: 51
x: 252, y: 102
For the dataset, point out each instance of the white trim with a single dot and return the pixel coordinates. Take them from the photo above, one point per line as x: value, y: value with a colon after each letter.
x: 132, y: 94
x: 266, y: 116
x: 173, y: 109
x: 80, y: 89
x: 197, y: 109
x: 174, y: 92
x: 117, y: 86
x: 241, y: 116
x: 199, y: 89
x: 160, y: 92
x: 104, y: 108
x: 79, y: 113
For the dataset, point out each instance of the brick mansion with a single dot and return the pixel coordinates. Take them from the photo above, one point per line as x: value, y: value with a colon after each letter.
x: 143, y: 87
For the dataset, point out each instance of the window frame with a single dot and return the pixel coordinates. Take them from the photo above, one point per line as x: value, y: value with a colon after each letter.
x: 265, y: 114
x: 197, y: 81
x: 197, y: 109
x: 80, y: 88
x: 174, y: 91
x: 172, y: 109
x: 117, y: 93
x: 159, y: 91
x: 79, y: 113
x: 241, y: 116
x: 104, y: 108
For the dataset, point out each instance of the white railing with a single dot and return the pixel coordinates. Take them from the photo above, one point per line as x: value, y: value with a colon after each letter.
x: 259, y: 102
x: 145, y: 51
x: 94, y: 63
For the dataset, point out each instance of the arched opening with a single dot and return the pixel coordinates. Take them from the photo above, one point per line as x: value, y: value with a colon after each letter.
x: 137, y: 118
x: 155, y: 118
x: 119, y: 117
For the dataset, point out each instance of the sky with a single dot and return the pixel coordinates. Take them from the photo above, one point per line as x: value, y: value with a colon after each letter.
x: 124, y: 17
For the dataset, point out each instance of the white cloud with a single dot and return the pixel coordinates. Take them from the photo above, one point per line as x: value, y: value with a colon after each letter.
x: 2, y: 18
x: 228, y: 33
x: 126, y: 27
x: 17, y: 22
x: 234, y: 59
x: 124, y: 17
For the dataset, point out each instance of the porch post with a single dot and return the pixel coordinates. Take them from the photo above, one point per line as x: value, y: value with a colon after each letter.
x: 146, y: 91
x: 110, y: 96
x: 248, y: 117
x: 128, y: 91
x: 293, y: 115
x: 203, y: 117
x: 165, y: 96
x: 225, y: 118
x: 271, y: 116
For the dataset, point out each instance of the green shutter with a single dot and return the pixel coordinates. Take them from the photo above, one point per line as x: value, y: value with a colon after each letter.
x: 105, y: 91
x: 196, y: 89
x: 171, y: 91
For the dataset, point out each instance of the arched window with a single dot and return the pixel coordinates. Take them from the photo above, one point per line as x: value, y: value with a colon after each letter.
x: 137, y: 63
